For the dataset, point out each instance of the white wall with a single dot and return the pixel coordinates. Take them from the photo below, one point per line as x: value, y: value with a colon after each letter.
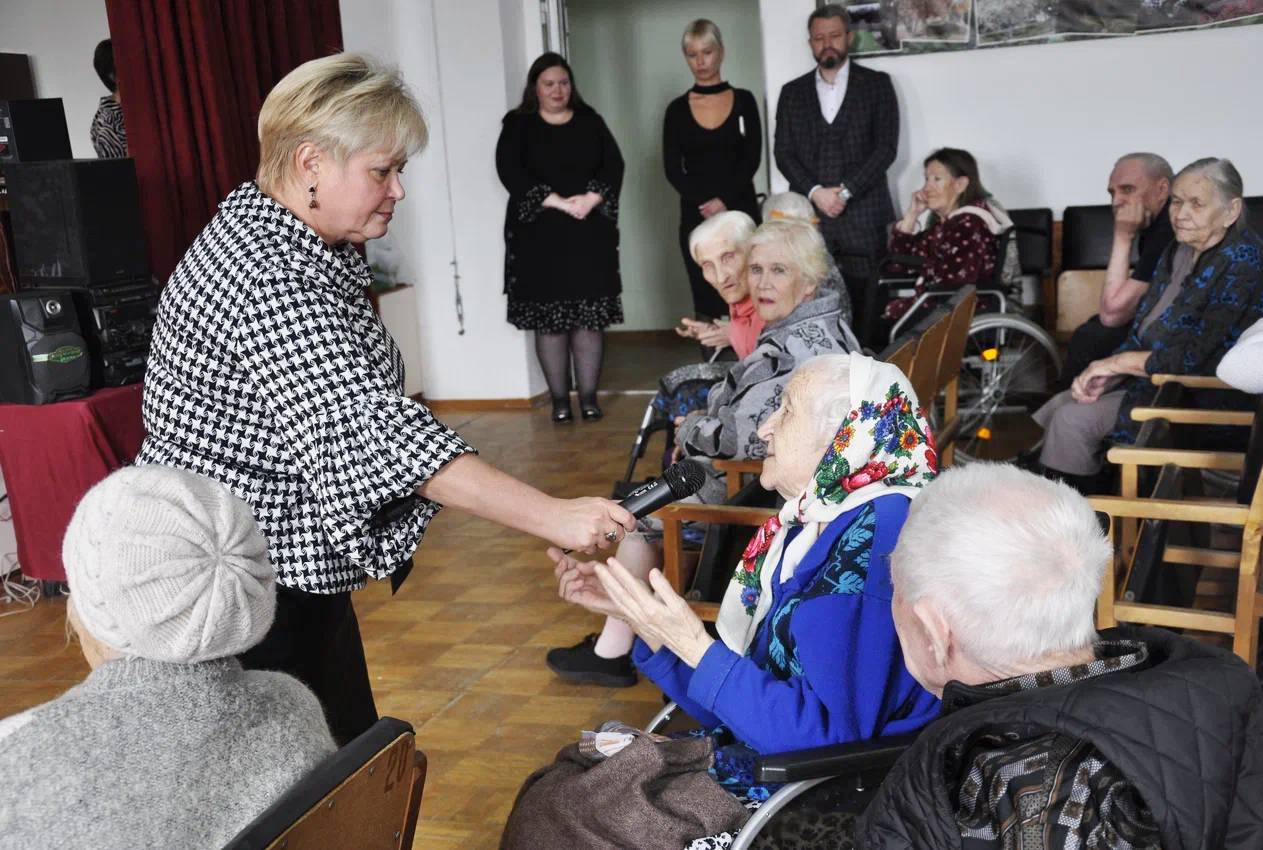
x: 59, y: 36
x: 626, y: 57
x: 462, y: 81
x: 1046, y: 122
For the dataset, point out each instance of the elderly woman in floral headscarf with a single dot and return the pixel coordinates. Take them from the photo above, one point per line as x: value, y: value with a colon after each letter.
x: 809, y: 654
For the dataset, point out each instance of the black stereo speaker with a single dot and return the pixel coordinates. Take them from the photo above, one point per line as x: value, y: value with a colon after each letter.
x: 43, y: 357
x: 76, y: 222
x: 33, y: 130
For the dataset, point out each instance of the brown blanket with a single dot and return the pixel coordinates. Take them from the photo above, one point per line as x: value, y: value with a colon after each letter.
x: 651, y: 794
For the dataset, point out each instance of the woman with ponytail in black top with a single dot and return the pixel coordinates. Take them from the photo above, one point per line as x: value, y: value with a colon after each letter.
x: 712, y: 144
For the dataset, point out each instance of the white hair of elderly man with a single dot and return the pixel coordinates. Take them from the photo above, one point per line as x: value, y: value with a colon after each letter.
x: 1013, y: 561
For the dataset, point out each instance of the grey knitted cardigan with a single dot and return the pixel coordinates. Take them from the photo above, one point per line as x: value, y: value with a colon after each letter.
x: 751, y: 391
x: 148, y: 754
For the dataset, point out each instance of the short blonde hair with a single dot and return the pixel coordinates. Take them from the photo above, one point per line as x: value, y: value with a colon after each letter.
x: 702, y: 31
x: 803, y: 241
x: 344, y: 103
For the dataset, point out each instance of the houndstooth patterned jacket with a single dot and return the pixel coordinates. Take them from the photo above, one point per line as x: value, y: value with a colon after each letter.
x: 270, y: 372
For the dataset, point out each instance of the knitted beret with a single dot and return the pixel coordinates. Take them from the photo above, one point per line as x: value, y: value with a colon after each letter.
x: 169, y: 565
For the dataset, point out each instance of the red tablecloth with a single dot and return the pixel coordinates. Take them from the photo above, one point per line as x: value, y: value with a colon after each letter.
x: 51, y: 454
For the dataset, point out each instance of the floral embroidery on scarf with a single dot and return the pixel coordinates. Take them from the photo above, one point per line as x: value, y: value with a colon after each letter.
x: 897, y: 430
x: 752, y: 562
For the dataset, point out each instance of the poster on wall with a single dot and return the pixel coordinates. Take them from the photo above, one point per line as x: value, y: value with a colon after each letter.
x: 1158, y: 15
x: 939, y: 21
x: 875, y: 25
x: 918, y: 26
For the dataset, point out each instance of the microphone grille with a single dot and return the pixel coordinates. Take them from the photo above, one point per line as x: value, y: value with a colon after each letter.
x: 684, y: 478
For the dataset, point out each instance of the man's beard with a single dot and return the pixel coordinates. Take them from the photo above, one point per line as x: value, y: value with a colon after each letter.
x: 830, y: 58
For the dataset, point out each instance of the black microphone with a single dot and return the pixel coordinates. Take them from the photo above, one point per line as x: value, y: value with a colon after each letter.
x: 678, y: 481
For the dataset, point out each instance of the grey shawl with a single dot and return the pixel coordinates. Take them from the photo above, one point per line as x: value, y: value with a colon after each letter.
x: 148, y: 754
x: 751, y: 391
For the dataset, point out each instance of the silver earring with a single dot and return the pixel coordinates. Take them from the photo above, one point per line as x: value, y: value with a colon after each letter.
x: 311, y: 204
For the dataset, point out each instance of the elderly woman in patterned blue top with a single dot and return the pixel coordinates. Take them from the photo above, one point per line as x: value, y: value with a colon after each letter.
x: 808, y: 653
x: 1207, y: 290
x: 271, y: 373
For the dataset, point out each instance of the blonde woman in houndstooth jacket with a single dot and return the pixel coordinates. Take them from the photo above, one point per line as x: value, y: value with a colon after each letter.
x: 271, y: 373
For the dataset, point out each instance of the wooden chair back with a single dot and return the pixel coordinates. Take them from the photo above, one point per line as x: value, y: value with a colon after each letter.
x: 900, y: 352
x: 1242, y: 622
x: 962, y: 305
x: 367, y: 794
x: 932, y: 332
x: 1078, y: 299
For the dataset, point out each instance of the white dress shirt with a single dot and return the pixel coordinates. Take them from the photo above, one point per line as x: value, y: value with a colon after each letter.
x: 832, y: 94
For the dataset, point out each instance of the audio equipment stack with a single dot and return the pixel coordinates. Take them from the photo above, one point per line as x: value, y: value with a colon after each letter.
x: 77, y: 232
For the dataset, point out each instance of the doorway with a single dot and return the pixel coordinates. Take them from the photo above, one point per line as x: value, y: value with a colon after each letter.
x: 628, y: 65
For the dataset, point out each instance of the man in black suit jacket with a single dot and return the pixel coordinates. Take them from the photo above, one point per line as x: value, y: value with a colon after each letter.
x: 837, y: 129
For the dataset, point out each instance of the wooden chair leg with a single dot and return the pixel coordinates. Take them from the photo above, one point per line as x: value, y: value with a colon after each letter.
x: 1245, y: 639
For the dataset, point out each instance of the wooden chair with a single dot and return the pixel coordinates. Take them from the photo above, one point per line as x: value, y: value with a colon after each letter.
x: 1245, y: 512
x: 900, y: 353
x: 367, y: 794
x: 1078, y: 299
x: 947, y: 381
x: 932, y: 337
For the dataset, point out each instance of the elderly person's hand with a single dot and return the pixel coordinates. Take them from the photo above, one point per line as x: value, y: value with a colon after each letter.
x: 1130, y: 217
x: 712, y: 207
x: 715, y: 334
x: 656, y: 613
x: 1101, y: 375
x: 577, y: 583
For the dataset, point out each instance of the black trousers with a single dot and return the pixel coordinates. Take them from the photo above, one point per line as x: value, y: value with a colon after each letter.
x: 316, y: 638
x: 1091, y: 341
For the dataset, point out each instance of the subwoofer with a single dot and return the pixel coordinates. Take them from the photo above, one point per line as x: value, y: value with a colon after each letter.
x: 76, y: 223
x: 43, y: 357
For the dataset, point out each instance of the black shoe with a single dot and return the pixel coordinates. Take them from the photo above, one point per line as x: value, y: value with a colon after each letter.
x: 562, y: 411
x: 581, y: 664
x: 590, y: 409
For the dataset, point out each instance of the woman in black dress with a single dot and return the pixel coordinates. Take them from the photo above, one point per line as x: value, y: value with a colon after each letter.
x: 712, y: 144
x: 563, y: 171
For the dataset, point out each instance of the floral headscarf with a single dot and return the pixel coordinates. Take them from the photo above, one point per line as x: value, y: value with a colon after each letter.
x: 883, y: 446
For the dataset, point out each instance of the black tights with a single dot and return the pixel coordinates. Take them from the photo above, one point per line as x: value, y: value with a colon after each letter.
x: 555, y: 352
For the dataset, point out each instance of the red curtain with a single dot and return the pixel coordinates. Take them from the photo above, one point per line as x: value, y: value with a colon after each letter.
x: 192, y: 77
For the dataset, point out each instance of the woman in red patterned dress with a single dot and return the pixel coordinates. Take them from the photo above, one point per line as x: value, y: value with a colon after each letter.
x: 952, y: 223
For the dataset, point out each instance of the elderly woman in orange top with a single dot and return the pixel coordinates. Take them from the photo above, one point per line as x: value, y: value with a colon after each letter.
x: 718, y: 246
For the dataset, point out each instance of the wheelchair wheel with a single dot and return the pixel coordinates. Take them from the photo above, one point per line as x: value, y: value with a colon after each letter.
x: 1009, y: 370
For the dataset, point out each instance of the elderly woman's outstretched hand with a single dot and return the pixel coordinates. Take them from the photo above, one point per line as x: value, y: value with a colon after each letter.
x: 655, y: 612
x: 577, y: 584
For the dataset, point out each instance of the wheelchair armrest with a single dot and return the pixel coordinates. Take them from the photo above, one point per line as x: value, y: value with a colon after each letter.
x: 832, y: 760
